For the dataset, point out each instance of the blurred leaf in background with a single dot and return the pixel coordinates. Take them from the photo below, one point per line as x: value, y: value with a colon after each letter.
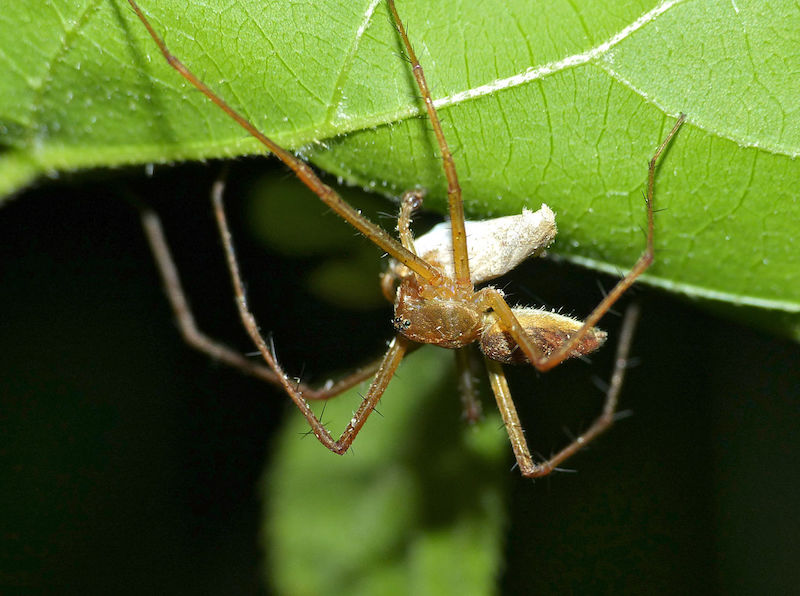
x: 418, y: 507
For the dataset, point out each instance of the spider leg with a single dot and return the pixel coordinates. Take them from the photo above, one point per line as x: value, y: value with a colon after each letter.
x: 641, y: 265
x: 511, y: 420
x: 542, y: 362
x: 303, y: 171
x: 455, y: 205
x: 193, y: 336
x: 467, y: 385
x: 508, y: 411
x: 410, y: 202
x: 386, y: 369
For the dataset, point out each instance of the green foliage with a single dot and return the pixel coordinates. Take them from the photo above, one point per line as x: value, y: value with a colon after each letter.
x: 416, y: 507
x: 557, y: 104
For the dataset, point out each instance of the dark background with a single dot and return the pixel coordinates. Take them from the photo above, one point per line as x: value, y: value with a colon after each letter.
x: 129, y: 462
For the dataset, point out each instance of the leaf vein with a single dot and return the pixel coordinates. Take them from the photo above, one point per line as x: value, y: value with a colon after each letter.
x: 539, y: 72
x: 335, y: 104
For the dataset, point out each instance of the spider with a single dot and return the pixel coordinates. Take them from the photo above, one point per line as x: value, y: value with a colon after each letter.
x: 431, y: 282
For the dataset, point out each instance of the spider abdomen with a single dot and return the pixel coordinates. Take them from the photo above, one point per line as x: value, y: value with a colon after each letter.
x: 547, y: 329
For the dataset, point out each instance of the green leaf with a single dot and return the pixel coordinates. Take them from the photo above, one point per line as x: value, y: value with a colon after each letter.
x: 553, y: 103
x: 417, y: 506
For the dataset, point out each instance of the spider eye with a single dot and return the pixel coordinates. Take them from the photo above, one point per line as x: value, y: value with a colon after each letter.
x: 400, y: 323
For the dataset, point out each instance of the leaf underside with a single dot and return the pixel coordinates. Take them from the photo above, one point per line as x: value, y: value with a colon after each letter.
x: 561, y: 104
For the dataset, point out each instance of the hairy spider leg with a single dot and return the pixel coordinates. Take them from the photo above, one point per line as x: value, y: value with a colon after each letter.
x: 398, y: 346
x: 454, y: 202
x: 494, y: 300
x: 516, y: 434
x: 545, y: 363
x: 192, y: 335
x: 303, y: 171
